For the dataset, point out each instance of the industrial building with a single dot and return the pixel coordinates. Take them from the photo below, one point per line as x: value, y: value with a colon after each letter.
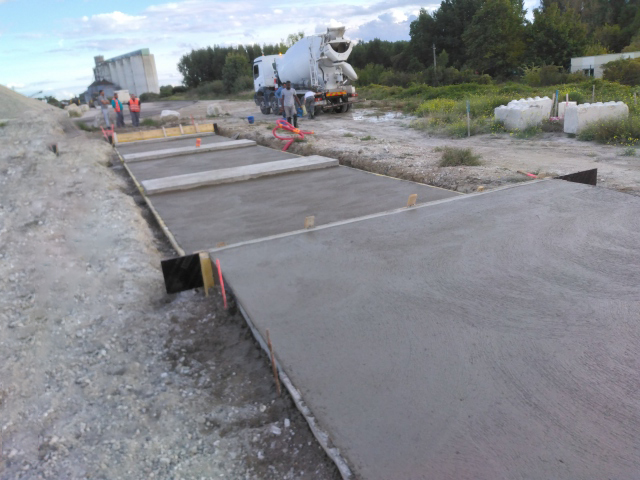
x: 592, y: 66
x: 134, y: 71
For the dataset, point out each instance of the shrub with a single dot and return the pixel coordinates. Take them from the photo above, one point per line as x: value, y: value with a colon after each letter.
x: 166, y: 91
x: 179, y: 89
x: 625, y: 71
x: 629, y: 152
x: 149, y: 97
x: 74, y: 113
x: 209, y: 89
x: 245, y: 82
x: 85, y: 127
x: 551, y: 126
x: 368, y: 137
x: 453, y: 157
x: 437, y: 105
x: 551, y: 75
x: 614, y: 132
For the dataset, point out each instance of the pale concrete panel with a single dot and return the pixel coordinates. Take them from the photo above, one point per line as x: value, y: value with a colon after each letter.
x: 492, y: 336
x: 178, y: 151
x: 236, y: 174
x: 151, y: 74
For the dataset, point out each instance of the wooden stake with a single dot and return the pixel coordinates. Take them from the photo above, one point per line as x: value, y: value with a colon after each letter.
x: 164, y: 132
x: 412, y: 200
x: 310, y: 221
x: 468, y: 119
x: 207, y: 272
x: 593, y: 95
x: 181, y: 130
x: 553, y: 103
x: 273, y: 363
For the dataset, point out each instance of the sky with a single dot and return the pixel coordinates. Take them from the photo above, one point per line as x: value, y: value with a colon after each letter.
x: 47, y: 46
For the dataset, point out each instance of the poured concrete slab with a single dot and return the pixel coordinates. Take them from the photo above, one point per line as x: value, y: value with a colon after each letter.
x: 490, y: 336
x: 202, y: 218
x: 236, y: 174
x: 175, y: 152
x: 202, y: 162
x: 170, y: 142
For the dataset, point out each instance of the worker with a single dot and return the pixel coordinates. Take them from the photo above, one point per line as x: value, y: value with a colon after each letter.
x: 310, y: 104
x: 117, y: 106
x: 104, y: 106
x: 134, y: 109
x: 289, y: 102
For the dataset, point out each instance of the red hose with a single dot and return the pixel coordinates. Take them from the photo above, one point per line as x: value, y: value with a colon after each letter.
x: 281, y: 123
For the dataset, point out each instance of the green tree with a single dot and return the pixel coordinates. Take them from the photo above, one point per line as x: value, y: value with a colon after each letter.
x: 451, y: 20
x: 293, y: 38
x: 556, y: 36
x: 495, y: 39
x: 235, y: 67
x: 421, y: 32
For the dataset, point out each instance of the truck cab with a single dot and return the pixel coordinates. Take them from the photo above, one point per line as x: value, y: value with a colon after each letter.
x: 265, y: 82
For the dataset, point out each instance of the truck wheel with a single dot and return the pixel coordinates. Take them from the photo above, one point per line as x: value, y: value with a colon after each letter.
x: 275, y: 109
x: 265, y: 108
x: 339, y: 109
x: 348, y: 107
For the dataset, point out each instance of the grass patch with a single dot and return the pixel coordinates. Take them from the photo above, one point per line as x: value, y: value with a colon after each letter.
x: 149, y: 122
x: 367, y: 138
x: 3, y: 124
x: 85, y: 127
x: 625, y: 133
x: 629, y: 152
x: 348, y: 135
x: 454, y: 157
x: 528, y: 132
x: 549, y: 125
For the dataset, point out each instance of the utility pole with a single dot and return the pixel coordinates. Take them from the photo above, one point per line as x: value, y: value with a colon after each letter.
x: 435, y: 72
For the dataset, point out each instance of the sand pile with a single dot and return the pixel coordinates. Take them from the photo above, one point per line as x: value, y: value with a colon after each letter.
x: 13, y: 104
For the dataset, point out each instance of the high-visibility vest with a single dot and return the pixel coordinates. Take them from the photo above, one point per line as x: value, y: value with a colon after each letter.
x: 134, y: 105
x: 116, y: 105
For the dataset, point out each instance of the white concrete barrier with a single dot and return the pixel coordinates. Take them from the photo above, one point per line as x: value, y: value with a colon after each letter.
x: 562, y: 106
x: 578, y: 117
x: 523, y: 113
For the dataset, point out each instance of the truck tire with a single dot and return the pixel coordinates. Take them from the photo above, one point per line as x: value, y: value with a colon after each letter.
x: 275, y: 108
x: 265, y: 108
x: 340, y: 109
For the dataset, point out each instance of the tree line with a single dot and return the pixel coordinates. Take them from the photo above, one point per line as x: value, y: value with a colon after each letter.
x: 472, y: 40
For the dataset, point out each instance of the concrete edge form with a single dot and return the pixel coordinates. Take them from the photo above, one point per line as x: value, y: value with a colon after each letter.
x: 154, y: 212
x: 236, y: 174
x: 174, y: 152
x: 373, y: 215
x: 321, y: 436
x: 168, y: 139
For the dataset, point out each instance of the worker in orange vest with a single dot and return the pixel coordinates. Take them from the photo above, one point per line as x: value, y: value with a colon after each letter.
x: 117, y: 106
x: 134, y: 109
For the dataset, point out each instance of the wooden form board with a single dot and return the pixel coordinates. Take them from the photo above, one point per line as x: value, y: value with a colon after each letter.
x: 170, y: 132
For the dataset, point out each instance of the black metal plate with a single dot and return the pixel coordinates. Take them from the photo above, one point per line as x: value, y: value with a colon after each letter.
x: 588, y: 177
x: 182, y: 273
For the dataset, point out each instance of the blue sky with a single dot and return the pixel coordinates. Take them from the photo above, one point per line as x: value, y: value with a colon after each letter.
x: 49, y: 45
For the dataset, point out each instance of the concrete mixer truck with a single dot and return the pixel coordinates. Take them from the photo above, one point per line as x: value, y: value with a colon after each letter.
x: 316, y: 63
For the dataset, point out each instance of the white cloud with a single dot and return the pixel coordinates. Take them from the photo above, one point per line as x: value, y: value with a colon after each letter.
x: 116, y: 22
x: 15, y: 85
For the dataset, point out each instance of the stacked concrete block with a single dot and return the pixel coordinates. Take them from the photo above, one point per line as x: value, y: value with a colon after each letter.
x: 524, y: 113
x: 562, y: 106
x: 578, y: 117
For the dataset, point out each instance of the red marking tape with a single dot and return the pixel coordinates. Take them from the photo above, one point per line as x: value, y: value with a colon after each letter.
x: 224, y: 295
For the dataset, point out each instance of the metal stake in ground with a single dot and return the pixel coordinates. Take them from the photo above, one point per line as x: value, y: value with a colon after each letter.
x: 273, y: 363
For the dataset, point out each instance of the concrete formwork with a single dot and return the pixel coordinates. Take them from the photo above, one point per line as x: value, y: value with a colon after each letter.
x: 202, y: 162
x: 168, y: 143
x: 491, y: 336
x: 254, y: 209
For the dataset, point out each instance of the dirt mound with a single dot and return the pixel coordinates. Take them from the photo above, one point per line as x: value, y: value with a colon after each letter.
x: 13, y: 104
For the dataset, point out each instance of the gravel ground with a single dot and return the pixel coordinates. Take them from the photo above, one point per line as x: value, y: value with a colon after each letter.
x: 104, y: 375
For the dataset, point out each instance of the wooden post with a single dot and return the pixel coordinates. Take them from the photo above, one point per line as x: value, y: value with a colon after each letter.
x: 207, y: 272
x: 593, y: 95
x: 435, y: 72
x: 273, y: 363
x: 468, y: 119
x: 181, y: 130
x: 412, y: 200
x: 164, y: 132
x: 553, y: 104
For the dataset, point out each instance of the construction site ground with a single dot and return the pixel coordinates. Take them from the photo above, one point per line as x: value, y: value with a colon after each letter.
x: 381, y: 141
x: 104, y: 375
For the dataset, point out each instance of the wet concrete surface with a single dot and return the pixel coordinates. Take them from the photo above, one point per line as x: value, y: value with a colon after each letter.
x: 162, y: 144
x: 201, y: 162
x: 202, y: 218
x: 490, y: 336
